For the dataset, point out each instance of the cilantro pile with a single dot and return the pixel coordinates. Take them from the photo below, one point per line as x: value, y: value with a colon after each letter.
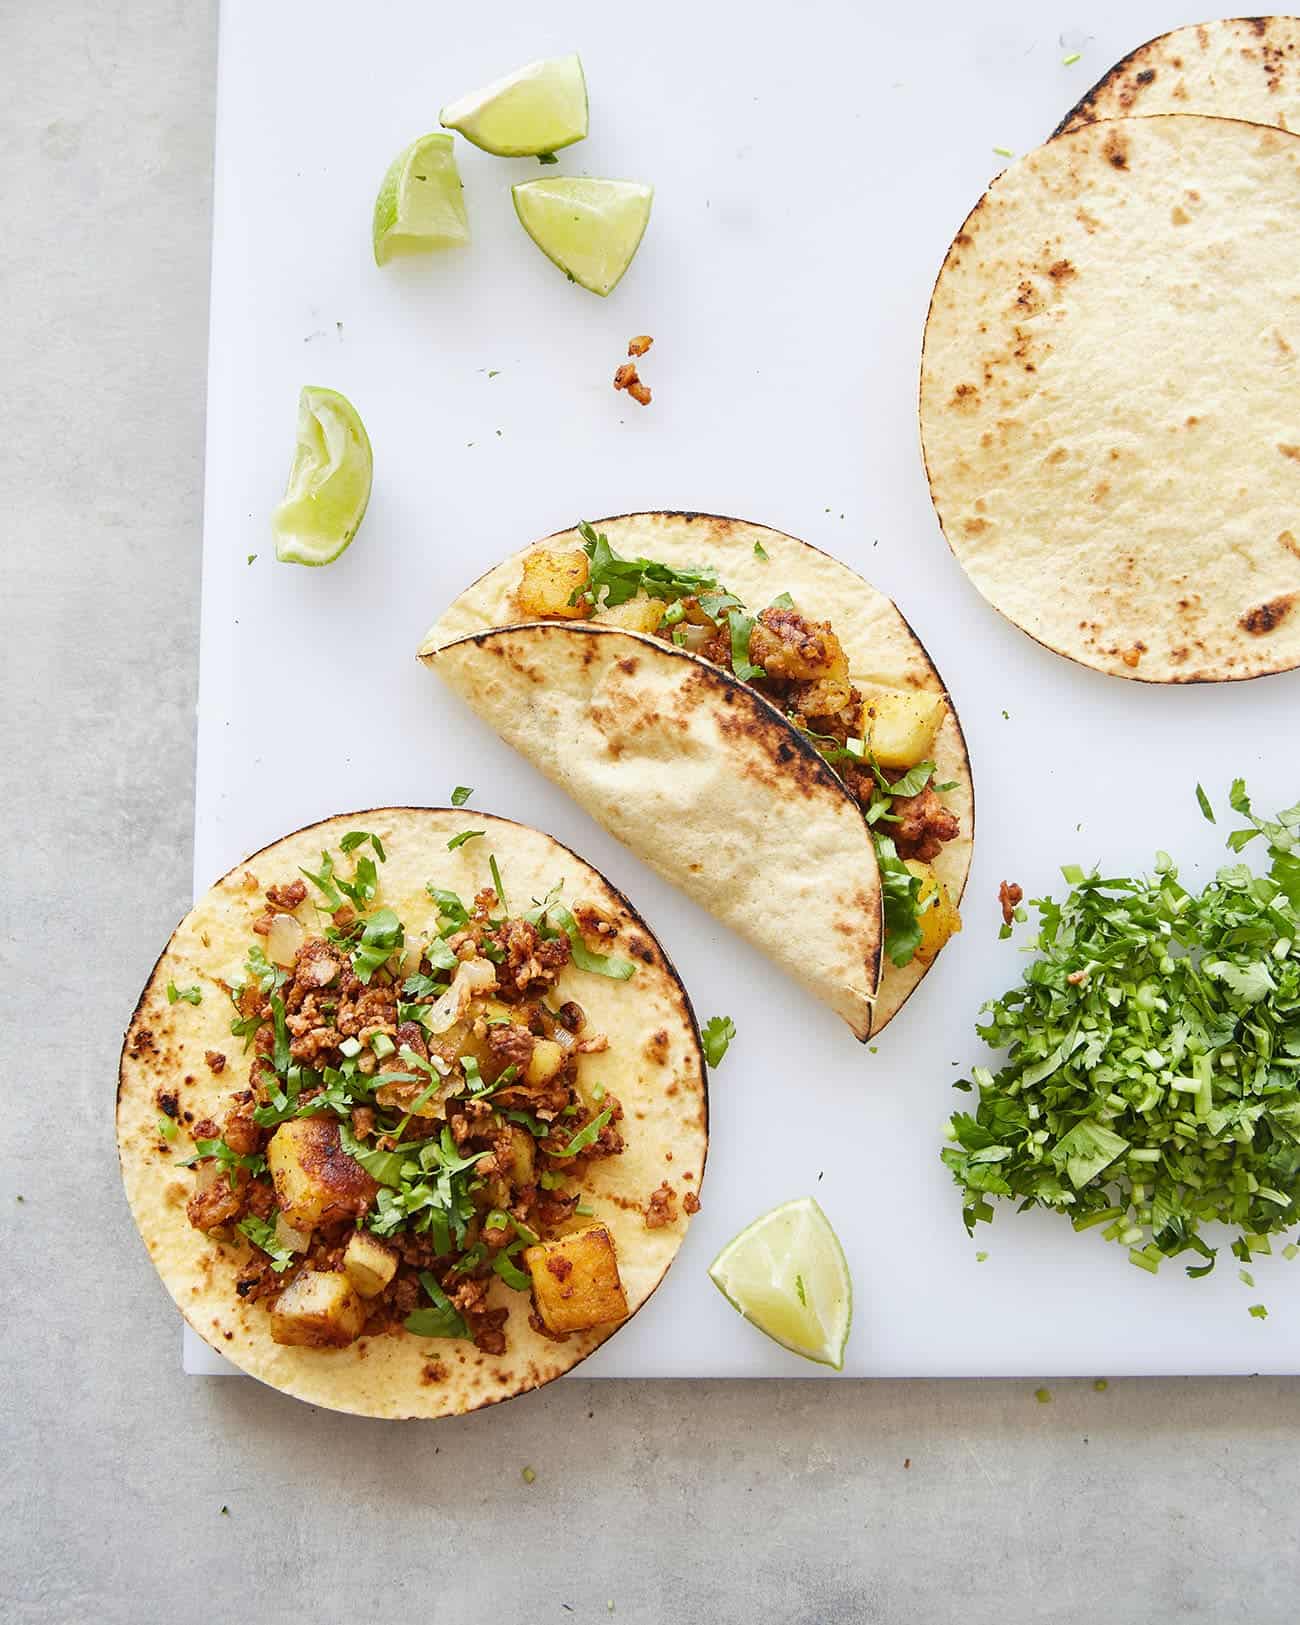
x: 1151, y: 1084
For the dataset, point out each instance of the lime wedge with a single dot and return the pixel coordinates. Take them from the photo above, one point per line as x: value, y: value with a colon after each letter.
x: 787, y: 1274
x: 329, y: 483
x: 537, y: 109
x: 421, y: 205
x: 589, y: 228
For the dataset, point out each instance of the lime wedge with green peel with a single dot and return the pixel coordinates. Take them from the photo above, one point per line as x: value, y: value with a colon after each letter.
x: 589, y: 228
x: 329, y: 483
x: 787, y: 1274
x: 421, y: 204
x: 537, y: 109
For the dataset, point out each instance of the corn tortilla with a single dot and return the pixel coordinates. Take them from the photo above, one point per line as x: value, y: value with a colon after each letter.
x: 699, y: 775
x: 654, y: 1066
x: 1108, y: 397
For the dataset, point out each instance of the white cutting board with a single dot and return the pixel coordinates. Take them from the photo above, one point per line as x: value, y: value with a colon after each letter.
x: 811, y: 165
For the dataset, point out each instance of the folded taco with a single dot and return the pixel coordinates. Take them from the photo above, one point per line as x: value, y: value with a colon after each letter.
x: 412, y: 1112
x: 749, y: 716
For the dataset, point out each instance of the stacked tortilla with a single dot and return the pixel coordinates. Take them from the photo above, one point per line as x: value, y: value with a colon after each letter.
x: 1110, y: 408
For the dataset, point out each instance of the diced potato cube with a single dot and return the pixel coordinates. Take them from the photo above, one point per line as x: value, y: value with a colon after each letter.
x: 318, y: 1310
x: 368, y: 1264
x: 640, y: 614
x: 549, y: 581
x: 940, y: 920
x: 900, y: 724
x: 316, y: 1182
x: 522, y: 1157
x: 545, y: 1061
x: 575, y: 1280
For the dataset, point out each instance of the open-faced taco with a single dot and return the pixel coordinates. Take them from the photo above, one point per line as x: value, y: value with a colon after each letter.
x: 751, y: 718
x: 412, y: 1112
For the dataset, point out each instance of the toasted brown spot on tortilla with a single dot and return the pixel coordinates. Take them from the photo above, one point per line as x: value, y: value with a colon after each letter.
x: 656, y: 1047
x: 965, y: 397
x: 1179, y: 215
x: 1115, y: 150
x: 1289, y: 542
x: 1061, y: 271
x: 1265, y: 617
x: 975, y: 527
x: 1147, y: 76
x: 1292, y: 452
x: 628, y: 665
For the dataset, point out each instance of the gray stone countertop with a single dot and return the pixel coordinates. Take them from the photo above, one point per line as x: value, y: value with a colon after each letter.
x: 132, y: 1493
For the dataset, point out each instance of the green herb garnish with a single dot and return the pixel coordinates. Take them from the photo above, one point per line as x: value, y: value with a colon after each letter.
x: 716, y: 1035
x: 358, y: 837
x: 1154, y: 1058
x: 465, y: 835
x: 760, y: 552
x: 612, y: 580
x: 191, y: 995
x: 443, y: 1320
x: 262, y: 1233
x: 584, y: 1137
x: 460, y: 795
x: 381, y: 937
x: 597, y: 964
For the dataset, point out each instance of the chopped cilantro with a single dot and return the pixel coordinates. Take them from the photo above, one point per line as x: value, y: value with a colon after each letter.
x: 1100, y: 1384
x: 742, y: 627
x: 262, y: 1233
x: 1204, y: 802
x: 358, y: 837
x: 191, y: 995
x: 716, y: 1036
x: 381, y: 937
x: 613, y: 580
x: 1070, y: 58
x: 584, y: 1137
x: 901, y: 890
x: 1259, y: 1311
x: 166, y: 1128
x: 331, y: 897
x: 1043, y: 1395
x: 443, y: 1320
x: 528, y: 1475
x: 496, y: 883
x: 465, y: 835
x: 461, y: 794
x: 230, y: 1160
x: 760, y: 552
x: 546, y: 158
x: 597, y: 964
x: 1154, y: 1060
x: 503, y: 1265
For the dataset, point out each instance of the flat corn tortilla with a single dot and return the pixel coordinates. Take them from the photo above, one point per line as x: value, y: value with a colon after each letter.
x: 1108, y: 397
x: 698, y: 774
x: 1238, y: 67
x: 654, y: 1066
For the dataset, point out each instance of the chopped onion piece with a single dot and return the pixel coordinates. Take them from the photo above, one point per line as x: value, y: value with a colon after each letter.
x: 283, y: 940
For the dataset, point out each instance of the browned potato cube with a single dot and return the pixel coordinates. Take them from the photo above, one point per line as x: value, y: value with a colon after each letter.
x: 640, y: 614
x: 318, y: 1310
x: 545, y: 1061
x: 549, y: 581
x: 900, y: 725
x: 575, y: 1280
x: 940, y: 919
x: 368, y: 1264
x: 316, y: 1182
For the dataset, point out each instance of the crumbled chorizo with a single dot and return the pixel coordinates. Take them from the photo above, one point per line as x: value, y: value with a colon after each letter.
x: 287, y: 898
x: 1009, y: 895
x: 640, y: 344
x: 661, y: 1208
x: 215, y: 1059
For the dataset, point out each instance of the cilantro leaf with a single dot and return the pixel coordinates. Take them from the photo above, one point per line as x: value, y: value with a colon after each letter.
x: 358, y: 837
x: 1204, y: 803
x: 191, y: 995
x: 262, y: 1233
x: 465, y: 835
x: 716, y: 1036
x: 742, y: 627
x: 584, y: 1137
x: 597, y: 964
x: 900, y: 892
x: 381, y: 937
x: 760, y: 552
x: 331, y: 898
x: 443, y: 1320
x: 612, y: 580
x: 460, y: 795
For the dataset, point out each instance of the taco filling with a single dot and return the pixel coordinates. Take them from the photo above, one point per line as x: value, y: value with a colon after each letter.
x: 877, y: 739
x: 413, y: 1126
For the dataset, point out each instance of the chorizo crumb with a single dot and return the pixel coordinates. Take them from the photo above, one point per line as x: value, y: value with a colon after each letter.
x: 690, y: 1203
x: 639, y: 392
x: 625, y: 376
x: 1009, y: 895
x: 640, y: 344
x: 215, y: 1059
x: 661, y: 1208
x: 287, y: 898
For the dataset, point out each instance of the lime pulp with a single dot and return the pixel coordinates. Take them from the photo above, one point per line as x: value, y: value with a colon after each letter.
x: 786, y: 1273
x: 589, y: 228
x: 537, y: 109
x: 329, y: 482
x: 421, y: 204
